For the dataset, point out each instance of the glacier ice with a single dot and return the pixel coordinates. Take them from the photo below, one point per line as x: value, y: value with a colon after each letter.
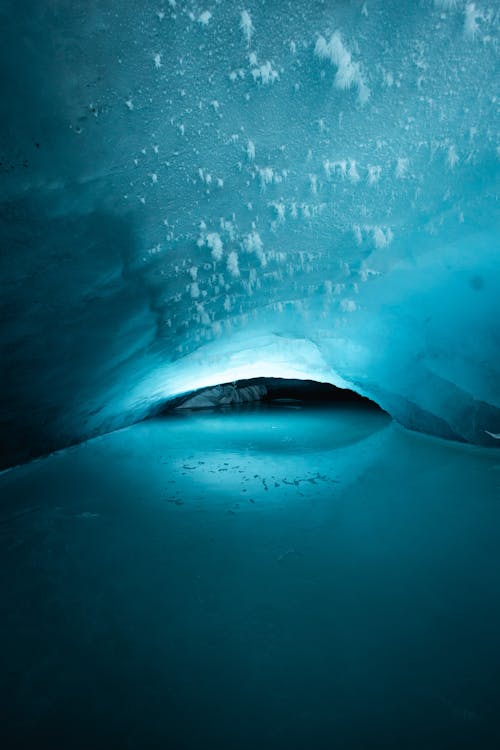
x: 196, y: 193
x: 223, y: 395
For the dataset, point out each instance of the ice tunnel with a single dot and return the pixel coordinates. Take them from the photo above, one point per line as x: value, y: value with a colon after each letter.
x: 193, y: 193
x: 249, y: 374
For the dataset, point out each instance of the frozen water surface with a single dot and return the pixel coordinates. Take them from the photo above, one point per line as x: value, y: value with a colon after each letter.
x: 259, y: 576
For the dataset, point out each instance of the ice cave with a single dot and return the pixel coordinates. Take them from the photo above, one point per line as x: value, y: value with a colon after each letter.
x: 250, y: 374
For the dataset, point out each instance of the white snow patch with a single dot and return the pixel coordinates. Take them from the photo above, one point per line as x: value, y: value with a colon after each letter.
x: 382, y: 238
x: 265, y: 73
x: 250, y: 150
x: 452, y: 157
x: 388, y: 79
x: 214, y: 242
x: 204, y: 18
x: 204, y: 317
x: 374, y: 172
x: 246, y: 25
x: 266, y: 176
x: 348, y: 72
x: 253, y: 244
x: 280, y: 211
x: 235, y: 74
x: 232, y: 264
x: 472, y: 14
x: 335, y: 167
x: 348, y: 305
x: 341, y: 167
x: 401, y: 169
x: 353, y: 172
x: 227, y: 226
x: 366, y: 272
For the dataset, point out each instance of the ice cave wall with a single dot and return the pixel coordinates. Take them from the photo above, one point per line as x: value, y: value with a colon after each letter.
x: 193, y: 192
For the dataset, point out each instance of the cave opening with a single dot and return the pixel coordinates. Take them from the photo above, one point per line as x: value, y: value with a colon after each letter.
x: 271, y: 390
x: 271, y: 415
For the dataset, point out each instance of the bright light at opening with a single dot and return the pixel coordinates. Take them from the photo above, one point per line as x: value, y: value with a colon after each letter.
x: 223, y: 362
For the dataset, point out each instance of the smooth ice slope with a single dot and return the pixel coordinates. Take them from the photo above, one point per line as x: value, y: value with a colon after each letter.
x: 195, y: 193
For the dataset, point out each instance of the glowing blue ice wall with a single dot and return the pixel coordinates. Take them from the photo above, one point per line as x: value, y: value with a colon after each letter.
x: 197, y: 192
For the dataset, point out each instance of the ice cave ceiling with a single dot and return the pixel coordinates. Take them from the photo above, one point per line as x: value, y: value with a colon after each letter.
x: 196, y: 192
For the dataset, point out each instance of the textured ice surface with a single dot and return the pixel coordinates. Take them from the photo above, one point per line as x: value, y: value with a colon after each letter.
x: 222, y: 395
x: 194, y: 193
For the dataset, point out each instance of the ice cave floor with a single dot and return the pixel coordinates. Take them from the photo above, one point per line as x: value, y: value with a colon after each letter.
x: 272, y: 577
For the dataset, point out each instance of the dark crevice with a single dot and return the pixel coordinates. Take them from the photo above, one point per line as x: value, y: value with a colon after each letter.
x: 279, y: 390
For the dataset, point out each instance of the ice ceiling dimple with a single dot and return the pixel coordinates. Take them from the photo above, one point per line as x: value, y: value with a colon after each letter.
x: 189, y: 190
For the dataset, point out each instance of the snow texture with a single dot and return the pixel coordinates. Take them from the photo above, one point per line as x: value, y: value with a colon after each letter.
x: 192, y: 194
